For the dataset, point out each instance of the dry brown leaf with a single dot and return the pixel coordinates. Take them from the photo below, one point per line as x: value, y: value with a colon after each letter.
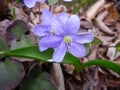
x: 101, y: 16
x: 85, y: 24
x: 114, y: 14
x: 117, y: 26
x: 93, y: 10
x: 103, y: 27
x: 59, y: 9
x: 111, y: 52
x: 112, y: 83
x: 3, y: 26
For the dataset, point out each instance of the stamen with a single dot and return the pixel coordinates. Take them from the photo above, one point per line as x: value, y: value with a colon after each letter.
x: 67, y: 39
x: 51, y: 31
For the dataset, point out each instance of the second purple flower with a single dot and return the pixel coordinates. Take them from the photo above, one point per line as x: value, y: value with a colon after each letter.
x: 31, y: 3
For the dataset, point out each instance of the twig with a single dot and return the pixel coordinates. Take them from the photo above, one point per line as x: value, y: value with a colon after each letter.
x: 59, y: 76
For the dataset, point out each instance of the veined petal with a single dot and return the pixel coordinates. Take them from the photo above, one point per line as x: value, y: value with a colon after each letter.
x: 46, y: 17
x: 40, y: 0
x: 41, y: 30
x: 67, y: 0
x: 59, y: 53
x: 72, y: 25
x: 57, y: 25
x: 77, y: 50
x: 51, y: 41
x: 29, y: 3
x: 63, y: 17
x: 83, y: 37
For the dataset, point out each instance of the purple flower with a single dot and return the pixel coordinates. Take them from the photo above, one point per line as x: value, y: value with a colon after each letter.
x: 71, y: 40
x: 31, y: 3
x: 61, y: 33
x: 46, y: 31
x: 67, y: 0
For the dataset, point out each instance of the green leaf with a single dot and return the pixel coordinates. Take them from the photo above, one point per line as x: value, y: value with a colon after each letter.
x: 23, y: 43
x: 96, y: 41
x: 17, y: 29
x: 11, y: 74
x: 118, y: 47
x: 51, y: 2
x: 33, y: 52
x: 17, y: 1
x: 103, y: 63
x: 38, y: 80
x: 3, y: 46
x: 87, y: 46
x: 83, y: 3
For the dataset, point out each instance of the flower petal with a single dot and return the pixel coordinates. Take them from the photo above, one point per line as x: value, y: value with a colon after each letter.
x: 46, y: 17
x: 29, y: 3
x: 72, y: 25
x: 67, y: 0
x: 41, y: 30
x: 77, y: 50
x: 63, y: 17
x: 57, y: 25
x: 40, y: 0
x: 51, y: 41
x: 59, y: 53
x: 83, y: 37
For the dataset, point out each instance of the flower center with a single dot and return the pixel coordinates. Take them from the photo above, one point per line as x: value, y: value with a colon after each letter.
x: 67, y: 39
x: 51, y: 31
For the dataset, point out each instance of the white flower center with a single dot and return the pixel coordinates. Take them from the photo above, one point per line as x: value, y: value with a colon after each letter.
x: 51, y: 31
x: 67, y: 39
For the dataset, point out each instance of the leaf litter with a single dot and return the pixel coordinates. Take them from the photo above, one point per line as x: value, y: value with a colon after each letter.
x: 101, y: 18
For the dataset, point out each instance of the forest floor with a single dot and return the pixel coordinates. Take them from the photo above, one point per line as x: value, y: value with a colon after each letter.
x: 100, y: 17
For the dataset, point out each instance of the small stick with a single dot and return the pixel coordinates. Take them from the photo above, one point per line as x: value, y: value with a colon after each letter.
x: 59, y: 76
